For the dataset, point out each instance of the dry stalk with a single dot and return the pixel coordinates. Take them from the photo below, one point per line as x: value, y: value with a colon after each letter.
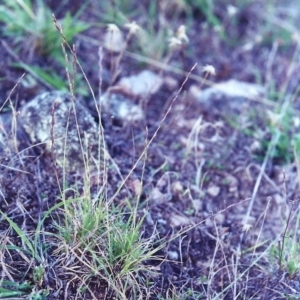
x: 71, y: 84
x: 287, y: 223
x: 116, y: 71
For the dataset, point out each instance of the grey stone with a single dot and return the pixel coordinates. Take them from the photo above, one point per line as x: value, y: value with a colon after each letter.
x: 66, y: 129
x: 121, y: 107
x: 227, y: 96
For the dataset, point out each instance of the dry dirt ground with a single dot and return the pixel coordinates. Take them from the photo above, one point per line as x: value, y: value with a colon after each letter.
x: 207, y: 178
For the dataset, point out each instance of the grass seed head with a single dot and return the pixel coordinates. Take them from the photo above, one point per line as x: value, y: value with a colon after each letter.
x: 181, y: 34
x: 175, y: 42
x: 209, y: 70
x: 133, y: 27
x: 113, y: 40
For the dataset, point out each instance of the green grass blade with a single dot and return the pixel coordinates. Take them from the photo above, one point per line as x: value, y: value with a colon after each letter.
x: 21, y: 234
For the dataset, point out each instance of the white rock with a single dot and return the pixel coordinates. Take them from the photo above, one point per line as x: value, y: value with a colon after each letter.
x: 173, y: 255
x: 213, y: 190
x: 229, y: 94
x: 142, y: 84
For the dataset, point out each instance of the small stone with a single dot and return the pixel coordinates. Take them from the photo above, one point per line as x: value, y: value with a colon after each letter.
x: 173, y: 255
x: 255, y: 146
x: 143, y: 84
x: 213, y: 190
x: 232, y: 183
x: 171, y: 83
x: 217, y: 219
x: 122, y: 108
x: 157, y: 197
x: 177, y: 187
x: 197, y: 203
x: 179, y: 220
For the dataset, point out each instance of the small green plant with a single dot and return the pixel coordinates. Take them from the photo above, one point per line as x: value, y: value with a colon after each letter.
x: 50, y: 78
x: 289, y: 246
x: 285, y: 255
x: 111, y: 237
x: 29, y: 252
x: 153, y: 44
x: 152, y: 35
x: 32, y: 24
x: 207, y: 8
x: 117, y: 11
x: 275, y: 29
x: 283, y: 127
x: 174, y: 294
x: 38, y: 295
x: 30, y: 246
x: 9, y: 289
x: 292, y: 260
x: 38, y: 274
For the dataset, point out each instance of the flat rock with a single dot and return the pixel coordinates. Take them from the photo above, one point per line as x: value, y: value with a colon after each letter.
x: 228, y: 95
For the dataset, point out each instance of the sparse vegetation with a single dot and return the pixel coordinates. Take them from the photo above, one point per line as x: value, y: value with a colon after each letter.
x: 30, y: 22
x: 190, y: 203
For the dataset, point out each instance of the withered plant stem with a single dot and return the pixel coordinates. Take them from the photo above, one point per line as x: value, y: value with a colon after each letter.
x: 287, y: 223
x: 76, y: 62
x: 115, y: 66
